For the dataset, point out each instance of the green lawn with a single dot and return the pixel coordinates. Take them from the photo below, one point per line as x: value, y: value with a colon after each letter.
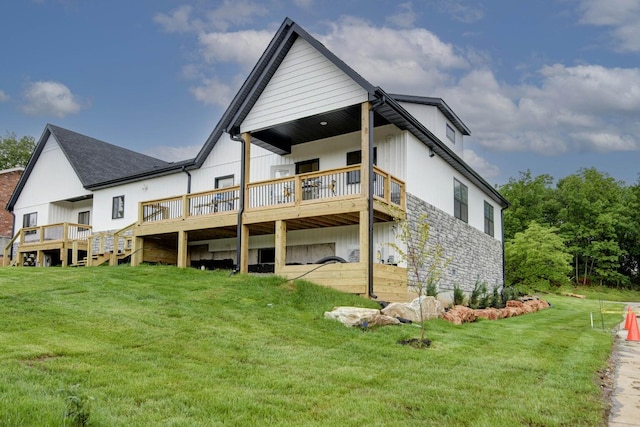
x: 159, y: 346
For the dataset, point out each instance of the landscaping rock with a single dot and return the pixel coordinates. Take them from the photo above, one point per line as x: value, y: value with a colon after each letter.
x: 358, y: 316
x: 460, y: 314
x: 431, y: 309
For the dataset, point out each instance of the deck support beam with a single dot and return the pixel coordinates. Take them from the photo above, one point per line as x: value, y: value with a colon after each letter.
x: 280, y: 245
x: 244, y: 250
x: 182, y: 249
x: 137, y: 251
x: 366, y: 188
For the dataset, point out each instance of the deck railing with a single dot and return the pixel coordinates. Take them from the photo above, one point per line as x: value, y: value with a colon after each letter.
x: 292, y: 190
x: 54, y: 232
x: 190, y: 205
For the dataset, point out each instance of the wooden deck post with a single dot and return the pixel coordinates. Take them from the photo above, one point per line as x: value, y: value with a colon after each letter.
x: 74, y: 252
x: 244, y: 250
x: 364, y: 232
x: 137, y: 249
x: 182, y: 249
x: 89, y: 251
x: 281, y: 245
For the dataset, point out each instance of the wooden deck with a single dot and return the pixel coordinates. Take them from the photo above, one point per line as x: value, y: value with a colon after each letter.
x: 63, y: 238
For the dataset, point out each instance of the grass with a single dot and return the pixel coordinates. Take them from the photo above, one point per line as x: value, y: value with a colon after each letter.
x: 166, y: 347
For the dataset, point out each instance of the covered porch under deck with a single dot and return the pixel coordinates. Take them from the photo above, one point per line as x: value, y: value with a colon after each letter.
x: 275, y: 207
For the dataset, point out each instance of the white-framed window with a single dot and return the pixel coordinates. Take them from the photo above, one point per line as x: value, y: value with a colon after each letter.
x: 451, y: 134
x: 460, y: 201
x: 488, y: 218
x: 117, y: 207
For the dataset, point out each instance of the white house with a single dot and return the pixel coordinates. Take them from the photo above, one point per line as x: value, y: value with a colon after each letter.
x: 310, y: 162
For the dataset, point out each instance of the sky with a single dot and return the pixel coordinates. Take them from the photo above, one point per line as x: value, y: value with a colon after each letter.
x: 550, y: 86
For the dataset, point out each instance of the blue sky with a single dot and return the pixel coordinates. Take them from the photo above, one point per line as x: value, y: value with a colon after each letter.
x: 550, y: 85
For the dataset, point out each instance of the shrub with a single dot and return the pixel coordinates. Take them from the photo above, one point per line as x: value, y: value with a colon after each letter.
x: 458, y: 295
x: 431, y: 289
x: 496, y: 300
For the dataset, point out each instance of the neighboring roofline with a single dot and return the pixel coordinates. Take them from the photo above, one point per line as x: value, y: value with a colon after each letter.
x: 27, y: 170
x: 19, y: 168
x: 435, y: 102
x: 176, y: 167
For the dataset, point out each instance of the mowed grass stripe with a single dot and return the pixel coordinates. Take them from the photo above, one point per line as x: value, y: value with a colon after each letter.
x: 162, y: 346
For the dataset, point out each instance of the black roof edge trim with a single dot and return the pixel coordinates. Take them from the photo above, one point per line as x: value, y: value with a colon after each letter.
x: 436, y: 102
x: 441, y: 148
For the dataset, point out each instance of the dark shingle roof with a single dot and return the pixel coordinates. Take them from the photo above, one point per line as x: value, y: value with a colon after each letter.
x: 93, y: 161
x: 96, y: 161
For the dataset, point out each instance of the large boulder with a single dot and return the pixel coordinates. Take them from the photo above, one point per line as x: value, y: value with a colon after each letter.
x: 358, y: 316
x: 431, y: 309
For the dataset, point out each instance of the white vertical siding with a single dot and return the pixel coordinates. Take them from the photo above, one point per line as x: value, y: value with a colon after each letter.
x: 306, y: 83
x: 51, y: 179
x: 431, y: 179
x: 433, y: 119
x: 164, y: 186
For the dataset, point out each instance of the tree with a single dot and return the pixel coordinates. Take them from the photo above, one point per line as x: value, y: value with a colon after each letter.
x: 15, y: 152
x: 425, y: 261
x: 537, y: 259
x: 531, y: 199
x: 591, y: 217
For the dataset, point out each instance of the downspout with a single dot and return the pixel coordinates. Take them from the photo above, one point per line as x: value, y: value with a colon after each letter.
x: 370, y: 257
x: 240, y: 202
x: 503, y: 262
x: 184, y: 169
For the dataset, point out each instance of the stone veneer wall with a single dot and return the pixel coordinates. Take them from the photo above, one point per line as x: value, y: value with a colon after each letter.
x: 473, y: 254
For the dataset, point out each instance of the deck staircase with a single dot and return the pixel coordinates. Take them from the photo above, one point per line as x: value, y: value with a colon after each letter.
x: 112, y: 247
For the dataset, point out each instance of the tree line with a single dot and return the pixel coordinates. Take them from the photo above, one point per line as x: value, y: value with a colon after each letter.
x: 584, y: 230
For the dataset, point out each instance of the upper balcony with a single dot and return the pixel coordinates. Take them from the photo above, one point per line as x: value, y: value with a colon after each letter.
x: 327, y: 193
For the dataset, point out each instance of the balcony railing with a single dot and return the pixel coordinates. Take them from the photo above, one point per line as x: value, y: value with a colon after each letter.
x: 295, y: 190
x: 54, y: 232
x: 190, y: 205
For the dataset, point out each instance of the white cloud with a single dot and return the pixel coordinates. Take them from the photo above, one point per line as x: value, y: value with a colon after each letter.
x: 240, y: 47
x: 462, y: 12
x: 480, y: 165
x: 212, y: 91
x: 413, y: 60
x: 170, y: 154
x: 50, y: 99
x: 3, y: 96
x: 178, y: 21
x: 227, y: 14
x: 405, y: 18
x: 621, y: 16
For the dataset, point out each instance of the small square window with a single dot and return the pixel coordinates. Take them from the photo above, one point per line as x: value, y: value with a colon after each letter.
x: 308, y: 166
x: 266, y: 256
x: 84, y: 217
x: 117, y: 208
x: 451, y: 134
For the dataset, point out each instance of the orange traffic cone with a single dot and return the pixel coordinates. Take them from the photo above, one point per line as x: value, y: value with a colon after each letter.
x: 634, y: 334
x: 630, y: 318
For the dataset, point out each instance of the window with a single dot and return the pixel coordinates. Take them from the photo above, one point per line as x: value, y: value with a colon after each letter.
x: 30, y: 219
x: 84, y: 217
x: 355, y: 158
x: 117, y: 208
x: 308, y: 166
x: 451, y: 134
x: 460, y: 201
x: 488, y: 218
x: 224, y: 181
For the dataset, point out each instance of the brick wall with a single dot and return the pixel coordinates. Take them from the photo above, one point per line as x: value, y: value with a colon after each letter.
x: 8, y: 180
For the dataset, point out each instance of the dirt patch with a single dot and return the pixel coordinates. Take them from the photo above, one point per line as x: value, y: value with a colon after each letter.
x: 39, y: 359
x: 416, y: 342
x: 606, y: 379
